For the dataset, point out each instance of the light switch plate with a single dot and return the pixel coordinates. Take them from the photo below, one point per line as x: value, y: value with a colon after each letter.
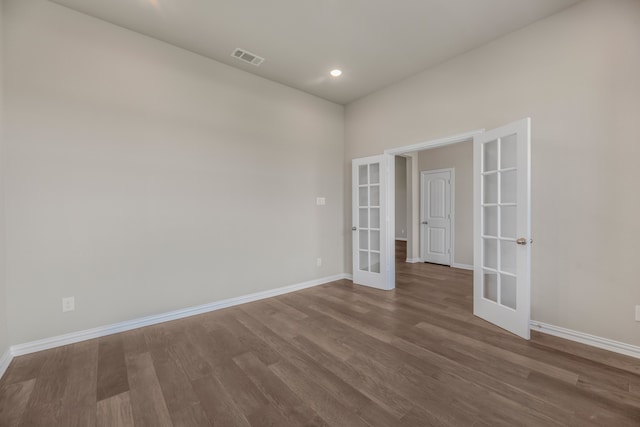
x: 321, y: 201
x: 637, y: 313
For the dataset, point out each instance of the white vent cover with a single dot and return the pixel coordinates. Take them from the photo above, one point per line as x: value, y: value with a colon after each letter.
x: 249, y: 57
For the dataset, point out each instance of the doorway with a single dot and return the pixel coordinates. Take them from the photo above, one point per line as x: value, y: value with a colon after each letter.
x: 501, y: 221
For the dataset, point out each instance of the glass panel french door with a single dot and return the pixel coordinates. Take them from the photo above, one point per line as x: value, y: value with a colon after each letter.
x: 369, y: 222
x: 502, y: 230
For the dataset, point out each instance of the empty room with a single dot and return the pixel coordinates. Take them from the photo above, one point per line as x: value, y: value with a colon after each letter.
x: 301, y: 213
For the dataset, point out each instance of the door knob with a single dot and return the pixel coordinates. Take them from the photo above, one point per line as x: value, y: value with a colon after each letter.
x: 425, y: 222
x: 521, y: 241
x: 354, y: 228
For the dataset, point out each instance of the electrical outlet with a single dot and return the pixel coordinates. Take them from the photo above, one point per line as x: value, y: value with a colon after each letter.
x: 68, y: 304
x: 319, y: 262
x: 321, y: 201
x: 637, y: 313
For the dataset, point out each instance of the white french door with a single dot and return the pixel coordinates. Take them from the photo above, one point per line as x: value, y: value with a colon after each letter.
x: 370, y: 224
x: 502, y: 227
x: 435, y: 216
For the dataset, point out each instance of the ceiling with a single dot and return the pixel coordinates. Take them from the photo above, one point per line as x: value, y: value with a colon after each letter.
x: 374, y: 42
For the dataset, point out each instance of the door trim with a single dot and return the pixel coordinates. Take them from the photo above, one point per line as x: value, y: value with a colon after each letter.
x: 433, y: 143
x: 411, y: 150
x: 452, y: 209
x: 391, y: 221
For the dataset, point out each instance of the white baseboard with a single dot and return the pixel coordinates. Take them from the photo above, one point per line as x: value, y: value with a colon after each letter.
x: 74, y: 337
x: 413, y: 260
x: 5, y: 360
x: 402, y: 239
x: 592, y: 340
x: 462, y: 266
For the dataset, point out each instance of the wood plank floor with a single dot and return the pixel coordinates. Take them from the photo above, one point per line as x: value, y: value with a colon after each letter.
x: 333, y: 355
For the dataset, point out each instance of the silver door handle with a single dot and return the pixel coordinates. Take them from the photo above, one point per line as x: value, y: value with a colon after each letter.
x: 522, y: 241
x: 354, y: 228
x: 425, y: 222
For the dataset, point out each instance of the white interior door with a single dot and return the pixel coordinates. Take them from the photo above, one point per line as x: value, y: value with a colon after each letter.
x: 435, y: 216
x: 502, y: 227
x: 370, y: 224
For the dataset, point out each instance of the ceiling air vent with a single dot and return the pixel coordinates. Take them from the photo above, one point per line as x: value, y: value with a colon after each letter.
x: 249, y: 57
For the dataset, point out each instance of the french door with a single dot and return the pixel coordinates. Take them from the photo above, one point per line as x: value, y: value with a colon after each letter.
x: 502, y: 227
x: 370, y: 225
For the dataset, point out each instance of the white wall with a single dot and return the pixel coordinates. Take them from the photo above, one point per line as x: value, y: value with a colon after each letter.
x: 576, y: 75
x: 401, y: 197
x: 459, y: 157
x: 4, y: 333
x: 142, y: 178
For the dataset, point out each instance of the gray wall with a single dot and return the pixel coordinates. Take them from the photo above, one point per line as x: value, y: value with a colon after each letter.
x: 576, y: 75
x: 459, y: 157
x: 401, y: 197
x: 142, y: 178
x: 4, y: 333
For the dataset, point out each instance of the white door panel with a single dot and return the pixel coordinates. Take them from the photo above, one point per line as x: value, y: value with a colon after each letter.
x: 435, y: 216
x: 502, y: 227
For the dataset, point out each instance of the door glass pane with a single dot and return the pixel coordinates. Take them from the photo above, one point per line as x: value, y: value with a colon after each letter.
x: 364, y: 218
x: 508, y: 291
x: 490, y: 188
x: 375, y: 240
x: 375, y: 262
x: 363, y: 175
x: 364, y: 260
x: 364, y: 239
x: 375, y: 195
x: 364, y: 196
x: 374, y: 173
x: 490, y: 253
x: 508, y: 187
x: 375, y: 217
x: 508, y: 221
x: 508, y: 152
x: 490, y: 288
x: 490, y: 156
x: 491, y: 221
x: 508, y: 252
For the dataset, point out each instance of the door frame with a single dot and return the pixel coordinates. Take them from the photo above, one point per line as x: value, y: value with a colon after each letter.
x: 409, y: 151
x: 452, y: 210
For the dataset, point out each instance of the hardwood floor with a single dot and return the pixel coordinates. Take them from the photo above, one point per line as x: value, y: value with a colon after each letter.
x: 338, y: 355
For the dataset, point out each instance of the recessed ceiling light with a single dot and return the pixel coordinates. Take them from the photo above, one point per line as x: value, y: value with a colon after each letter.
x: 336, y: 73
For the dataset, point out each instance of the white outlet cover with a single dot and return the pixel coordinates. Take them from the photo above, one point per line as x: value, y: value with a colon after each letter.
x: 638, y: 313
x: 319, y: 262
x: 68, y: 304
